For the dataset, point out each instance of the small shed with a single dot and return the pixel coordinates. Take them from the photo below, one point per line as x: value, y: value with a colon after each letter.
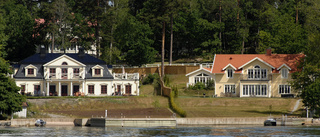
x: 23, y: 112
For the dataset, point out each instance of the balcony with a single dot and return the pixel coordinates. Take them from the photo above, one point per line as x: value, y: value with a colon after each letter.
x: 76, y: 75
x: 255, y: 78
x: 64, y: 76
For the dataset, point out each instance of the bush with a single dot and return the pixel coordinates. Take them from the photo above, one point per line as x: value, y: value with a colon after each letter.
x: 166, y: 81
x: 174, y: 107
x: 175, y: 91
x: 200, y: 86
x: 150, y: 79
x: 157, y: 85
x: 197, y: 86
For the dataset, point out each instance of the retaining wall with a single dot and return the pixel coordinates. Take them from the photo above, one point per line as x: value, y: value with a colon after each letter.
x: 221, y: 121
x: 49, y: 121
x: 167, y: 70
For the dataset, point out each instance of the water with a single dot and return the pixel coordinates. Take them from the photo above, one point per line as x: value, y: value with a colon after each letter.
x: 162, y: 131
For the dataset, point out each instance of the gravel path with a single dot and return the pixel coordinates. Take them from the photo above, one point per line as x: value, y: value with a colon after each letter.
x: 295, y: 106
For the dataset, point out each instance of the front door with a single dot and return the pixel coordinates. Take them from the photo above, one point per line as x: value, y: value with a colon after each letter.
x: 52, y: 90
x: 64, y: 90
x: 128, y: 89
x: 75, y: 89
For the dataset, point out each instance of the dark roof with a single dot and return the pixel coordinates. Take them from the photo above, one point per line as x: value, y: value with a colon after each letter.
x: 37, y: 59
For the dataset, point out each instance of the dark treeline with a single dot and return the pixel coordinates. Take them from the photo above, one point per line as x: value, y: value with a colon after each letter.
x: 130, y: 31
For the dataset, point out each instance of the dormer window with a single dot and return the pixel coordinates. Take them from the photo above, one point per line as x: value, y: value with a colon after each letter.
x: 229, y: 73
x: 97, y: 71
x: 30, y: 71
x: 284, y: 73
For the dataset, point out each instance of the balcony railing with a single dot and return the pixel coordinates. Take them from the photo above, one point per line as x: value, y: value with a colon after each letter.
x: 256, y: 78
x: 76, y: 75
x: 64, y: 76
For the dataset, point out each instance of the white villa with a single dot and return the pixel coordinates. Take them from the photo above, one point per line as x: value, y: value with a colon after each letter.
x: 71, y: 74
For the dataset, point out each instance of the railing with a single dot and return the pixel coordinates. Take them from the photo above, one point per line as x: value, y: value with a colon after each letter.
x: 126, y: 76
x: 64, y: 76
x: 255, y: 78
x: 76, y: 75
x: 208, y: 65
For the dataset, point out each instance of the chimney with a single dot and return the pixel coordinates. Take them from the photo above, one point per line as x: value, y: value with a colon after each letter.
x: 81, y: 52
x: 268, y: 51
x: 42, y: 51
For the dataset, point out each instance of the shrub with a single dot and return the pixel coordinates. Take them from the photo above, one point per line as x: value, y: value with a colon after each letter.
x: 198, y: 86
x: 166, y: 81
x: 174, y: 107
x: 157, y: 85
x: 150, y: 78
x: 175, y: 91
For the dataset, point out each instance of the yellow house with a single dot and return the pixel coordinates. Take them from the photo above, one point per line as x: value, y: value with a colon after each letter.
x: 56, y: 74
x: 249, y: 75
x: 254, y: 75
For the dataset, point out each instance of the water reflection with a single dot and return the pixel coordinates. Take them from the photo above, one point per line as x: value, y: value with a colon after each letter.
x: 161, y: 131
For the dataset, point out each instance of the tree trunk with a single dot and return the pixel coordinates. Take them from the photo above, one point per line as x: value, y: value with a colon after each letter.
x: 52, y: 42
x: 297, y: 14
x: 220, y: 25
x: 162, y: 51
x: 97, y: 33
x: 171, y: 40
x: 242, y: 51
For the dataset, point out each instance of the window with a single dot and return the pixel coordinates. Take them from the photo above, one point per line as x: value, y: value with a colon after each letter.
x: 204, y: 78
x: 64, y: 73
x: 64, y: 63
x: 97, y: 71
x: 103, y: 89
x: 257, y: 90
x: 257, y: 73
x: 31, y: 71
x: 36, y: 89
x: 52, y: 72
x: 229, y: 89
x: 284, y: 73
x: 91, y: 89
x: 76, y: 72
x: 23, y: 89
x: 284, y: 89
x: 230, y: 73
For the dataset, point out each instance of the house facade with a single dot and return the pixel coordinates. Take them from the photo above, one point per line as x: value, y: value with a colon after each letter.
x: 71, y: 74
x: 254, y: 75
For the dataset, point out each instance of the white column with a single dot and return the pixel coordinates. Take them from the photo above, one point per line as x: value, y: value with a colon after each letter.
x: 48, y: 89
x: 71, y: 88
x: 83, y: 91
x: 59, y: 94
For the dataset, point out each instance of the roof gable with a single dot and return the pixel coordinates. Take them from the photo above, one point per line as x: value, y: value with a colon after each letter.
x: 256, y: 58
x: 284, y: 65
x: 64, y: 58
x: 229, y: 65
x: 199, y: 70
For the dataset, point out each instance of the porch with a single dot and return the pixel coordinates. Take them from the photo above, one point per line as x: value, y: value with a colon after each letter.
x: 65, y: 88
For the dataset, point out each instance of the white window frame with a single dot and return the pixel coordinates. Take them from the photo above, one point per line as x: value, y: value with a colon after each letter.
x: 284, y: 89
x: 257, y: 73
x: 230, y: 89
x: 255, y: 90
x: 204, y: 78
x: 229, y: 73
x: 284, y: 73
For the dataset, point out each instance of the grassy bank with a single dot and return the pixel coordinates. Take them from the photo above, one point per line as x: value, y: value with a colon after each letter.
x: 154, y: 106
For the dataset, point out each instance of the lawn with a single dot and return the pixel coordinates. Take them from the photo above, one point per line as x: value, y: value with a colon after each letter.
x: 237, y: 107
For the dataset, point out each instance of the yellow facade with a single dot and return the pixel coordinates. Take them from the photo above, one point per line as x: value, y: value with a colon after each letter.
x: 268, y: 86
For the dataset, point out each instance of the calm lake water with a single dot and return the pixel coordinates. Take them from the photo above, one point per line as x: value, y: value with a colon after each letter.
x: 162, y: 131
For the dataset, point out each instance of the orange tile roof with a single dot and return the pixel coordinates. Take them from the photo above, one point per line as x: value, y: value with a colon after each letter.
x: 237, y: 60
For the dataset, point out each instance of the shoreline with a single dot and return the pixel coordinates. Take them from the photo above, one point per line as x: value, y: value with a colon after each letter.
x: 178, y: 121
